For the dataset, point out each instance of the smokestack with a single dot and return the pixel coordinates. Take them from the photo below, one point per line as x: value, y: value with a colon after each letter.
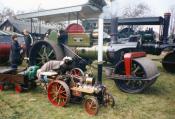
x: 166, y: 26
x: 114, y: 30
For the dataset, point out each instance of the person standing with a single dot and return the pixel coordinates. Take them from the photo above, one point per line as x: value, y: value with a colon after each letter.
x: 28, y: 41
x: 63, y: 37
x: 15, y: 52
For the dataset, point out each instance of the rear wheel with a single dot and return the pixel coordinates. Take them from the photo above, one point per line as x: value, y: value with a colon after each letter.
x: 43, y: 51
x: 77, y: 72
x: 58, y: 93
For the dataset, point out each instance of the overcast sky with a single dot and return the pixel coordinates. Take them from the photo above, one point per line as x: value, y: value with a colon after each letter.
x: 158, y: 7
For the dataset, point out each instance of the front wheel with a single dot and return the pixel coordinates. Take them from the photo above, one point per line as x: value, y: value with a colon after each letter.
x: 141, y: 68
x: 109, y: 100
x: 91, y: 105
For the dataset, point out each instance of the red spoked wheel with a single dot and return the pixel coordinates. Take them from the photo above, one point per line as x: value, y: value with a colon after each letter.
x: 58, y: 93
x: 109, y: 100
x: 18, y: 88
x: 77, y: 72
x: 91, y: 105
x: 1, y: 87
x: 77, y: 75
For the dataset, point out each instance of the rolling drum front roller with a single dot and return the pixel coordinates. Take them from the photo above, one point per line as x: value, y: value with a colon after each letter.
x: 143, y: 73
x: 168, y: 62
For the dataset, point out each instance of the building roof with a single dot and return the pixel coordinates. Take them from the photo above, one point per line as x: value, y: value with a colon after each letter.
x: 90, y: 9
x: 9, y: 33
x: 20, y: 25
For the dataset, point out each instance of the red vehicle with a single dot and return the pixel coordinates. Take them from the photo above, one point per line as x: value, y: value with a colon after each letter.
x: 5, y: 44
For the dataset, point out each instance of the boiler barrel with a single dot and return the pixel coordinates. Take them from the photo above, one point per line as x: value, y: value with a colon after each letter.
x: 91, y: 52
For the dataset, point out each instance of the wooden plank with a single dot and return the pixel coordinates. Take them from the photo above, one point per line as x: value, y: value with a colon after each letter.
x: 12, y: 78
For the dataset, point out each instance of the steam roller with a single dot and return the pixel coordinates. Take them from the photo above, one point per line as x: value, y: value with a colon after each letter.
x: 141, y: 75
x: 168, y: 62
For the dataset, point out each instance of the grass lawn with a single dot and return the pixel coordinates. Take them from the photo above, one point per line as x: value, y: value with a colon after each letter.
x: 157, y: 102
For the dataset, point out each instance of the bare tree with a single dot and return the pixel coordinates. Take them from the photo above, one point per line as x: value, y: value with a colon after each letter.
x: 6, y: 13
x: 137, y: 10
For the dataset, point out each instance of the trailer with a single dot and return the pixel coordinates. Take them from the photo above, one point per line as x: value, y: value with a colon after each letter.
x: 21, y: 79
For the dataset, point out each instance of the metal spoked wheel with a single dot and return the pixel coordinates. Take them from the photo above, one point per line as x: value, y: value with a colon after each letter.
x: 109, y: 100
x: 58, y: 93
x: 43, y: 51
x: 77, y: 72
x: 131, y: 86
x: 91, y: 105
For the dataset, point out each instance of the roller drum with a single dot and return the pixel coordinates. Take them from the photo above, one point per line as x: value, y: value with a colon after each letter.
x: 149, y: 66
x: 142, y: 68
x: 150, y: 69
x: 168, y: 62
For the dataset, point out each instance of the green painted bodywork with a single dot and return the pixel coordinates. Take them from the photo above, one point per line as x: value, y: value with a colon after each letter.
x: 81, y: 44
x: 91, y: 52
x: 53, y: 36
x: 30, y: 73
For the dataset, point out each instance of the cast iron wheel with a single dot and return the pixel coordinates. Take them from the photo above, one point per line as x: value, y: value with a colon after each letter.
x: 131, y: 86
x: 109, y: 100
x: 43, y: 51
x: 168, y: 62
x: 91, y: 105
x: 77, y: 72
x: 58, y: 93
